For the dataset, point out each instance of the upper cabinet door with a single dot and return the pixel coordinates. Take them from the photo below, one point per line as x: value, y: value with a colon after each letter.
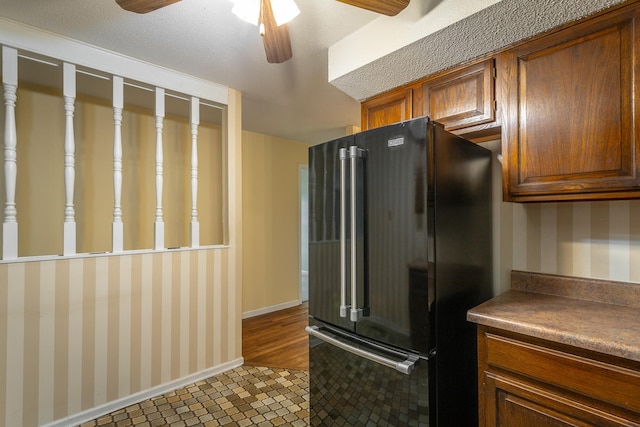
x: 463, y: 98
x: 571, y: 128
x: 390, y: 108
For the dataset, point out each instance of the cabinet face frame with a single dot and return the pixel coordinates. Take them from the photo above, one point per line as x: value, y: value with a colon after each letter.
x: 598, y: 167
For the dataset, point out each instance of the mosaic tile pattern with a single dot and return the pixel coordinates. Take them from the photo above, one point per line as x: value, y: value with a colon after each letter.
x: 350, y: 391
x: 244, y: 396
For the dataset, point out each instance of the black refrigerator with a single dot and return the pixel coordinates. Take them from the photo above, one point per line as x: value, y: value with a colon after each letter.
x: 399, y: 249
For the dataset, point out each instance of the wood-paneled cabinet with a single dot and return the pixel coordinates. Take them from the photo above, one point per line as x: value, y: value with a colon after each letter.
x: 392, y: 107
x: 463, y: 100
x: 530, y: 382
x: 570, y: 126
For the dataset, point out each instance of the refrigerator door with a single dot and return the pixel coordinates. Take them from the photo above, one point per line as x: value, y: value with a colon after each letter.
x: 329, y: 231
x: 397, y: 216
x: 347, y: 389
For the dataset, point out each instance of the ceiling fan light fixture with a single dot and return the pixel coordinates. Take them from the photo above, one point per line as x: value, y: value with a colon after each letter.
x: 247, y: 10
x: 284, y: 11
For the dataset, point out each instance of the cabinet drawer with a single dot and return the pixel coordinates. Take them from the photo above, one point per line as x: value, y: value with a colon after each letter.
x: 607, y: 383
x: 516, y: 404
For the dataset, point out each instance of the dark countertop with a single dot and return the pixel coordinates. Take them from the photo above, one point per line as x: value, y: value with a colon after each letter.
x: 596, y: 315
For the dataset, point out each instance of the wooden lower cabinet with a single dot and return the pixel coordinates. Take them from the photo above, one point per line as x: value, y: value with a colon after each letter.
x: 525, y: 382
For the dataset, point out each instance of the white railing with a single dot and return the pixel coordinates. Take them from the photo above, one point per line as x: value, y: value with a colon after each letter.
x: 158, y: 230
x: 195, y: 121
x: 118, y: 105
x: 10, y: 55
x: 10, y: 84
x: 69, y: 92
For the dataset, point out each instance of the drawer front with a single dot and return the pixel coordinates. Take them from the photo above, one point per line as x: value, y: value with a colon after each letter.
x: 601, y: 381
x: 516, y: 404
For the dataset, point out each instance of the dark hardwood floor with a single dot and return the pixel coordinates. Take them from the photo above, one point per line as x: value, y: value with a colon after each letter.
x: 277, y: 340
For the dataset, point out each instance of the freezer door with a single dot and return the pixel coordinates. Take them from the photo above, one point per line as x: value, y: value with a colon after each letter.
x: 397, y: 216
x: 350, y: 390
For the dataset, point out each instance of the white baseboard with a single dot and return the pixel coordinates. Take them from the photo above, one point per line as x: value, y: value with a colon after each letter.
x: 270, y: 309
x: 107, y: 408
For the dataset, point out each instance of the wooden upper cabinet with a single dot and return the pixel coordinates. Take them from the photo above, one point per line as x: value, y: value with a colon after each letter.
x: 463, y: 98
x: 386, y: 109
x: 570, y: 129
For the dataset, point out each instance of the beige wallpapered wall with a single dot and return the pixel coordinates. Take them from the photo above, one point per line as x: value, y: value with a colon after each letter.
x: 271, y: 201
x: 585, y: 239
x: 79, y: 333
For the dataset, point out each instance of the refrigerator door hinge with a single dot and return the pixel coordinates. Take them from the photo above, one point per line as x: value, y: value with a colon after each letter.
x: 355, y: 151
x: 344, y: 309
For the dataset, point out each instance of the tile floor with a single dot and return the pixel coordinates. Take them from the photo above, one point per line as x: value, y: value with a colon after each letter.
x: 244, y: 396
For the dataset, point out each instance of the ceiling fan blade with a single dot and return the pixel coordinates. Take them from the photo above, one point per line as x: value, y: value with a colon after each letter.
x: 144, y: 6
x: 385, y: 7
x: 277, y: 43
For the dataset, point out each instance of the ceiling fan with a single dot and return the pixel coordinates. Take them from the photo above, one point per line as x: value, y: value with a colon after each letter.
x: 276, y: 39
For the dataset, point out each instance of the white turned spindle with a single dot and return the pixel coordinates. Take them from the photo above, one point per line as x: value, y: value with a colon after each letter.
x: 195, y: 121
x: 159, y: 223
x: 118, y: 103
x: 69, y: 92
x: 10, y: 84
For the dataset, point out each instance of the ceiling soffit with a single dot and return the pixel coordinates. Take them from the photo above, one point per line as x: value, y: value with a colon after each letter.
x: 488, y: 30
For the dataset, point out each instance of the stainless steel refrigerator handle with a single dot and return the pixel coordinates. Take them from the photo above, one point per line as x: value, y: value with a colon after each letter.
x: 405, y: 366
x: 344, y: 307
x: 354, y: 153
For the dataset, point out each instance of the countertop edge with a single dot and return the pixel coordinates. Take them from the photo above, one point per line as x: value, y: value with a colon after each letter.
x: 564, y: 320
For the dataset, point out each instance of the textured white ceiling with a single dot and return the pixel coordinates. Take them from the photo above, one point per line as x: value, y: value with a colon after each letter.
x: 201, y: 37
